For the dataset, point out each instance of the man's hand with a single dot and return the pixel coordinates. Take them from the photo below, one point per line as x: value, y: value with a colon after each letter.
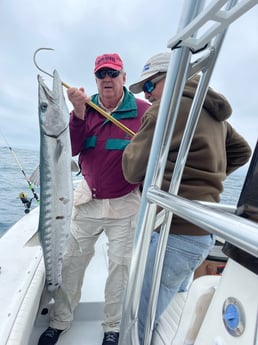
x: 78, y: 98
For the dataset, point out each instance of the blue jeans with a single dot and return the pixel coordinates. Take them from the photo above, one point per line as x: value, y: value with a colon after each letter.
x: 183, y: 255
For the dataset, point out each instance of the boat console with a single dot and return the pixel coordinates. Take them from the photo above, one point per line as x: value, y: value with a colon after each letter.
x: 247, y: 207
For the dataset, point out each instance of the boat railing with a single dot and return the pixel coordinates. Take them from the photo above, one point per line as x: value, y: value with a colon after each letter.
x: 239, y: 231
x: 236, y: 230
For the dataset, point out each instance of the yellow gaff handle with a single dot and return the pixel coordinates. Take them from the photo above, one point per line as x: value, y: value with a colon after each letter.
x: 90, y: 103
x: 107, y: 115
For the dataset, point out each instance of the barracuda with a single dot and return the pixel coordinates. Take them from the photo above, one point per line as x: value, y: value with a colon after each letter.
x: 56, y: 190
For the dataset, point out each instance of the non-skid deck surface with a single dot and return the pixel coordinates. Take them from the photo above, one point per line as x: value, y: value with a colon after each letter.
x: 85, y: 330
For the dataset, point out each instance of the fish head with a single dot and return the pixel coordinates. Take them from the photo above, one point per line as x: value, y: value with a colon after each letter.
x: 53, y: 111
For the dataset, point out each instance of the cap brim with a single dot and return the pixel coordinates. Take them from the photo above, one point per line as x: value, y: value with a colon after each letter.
x: 137, y: 86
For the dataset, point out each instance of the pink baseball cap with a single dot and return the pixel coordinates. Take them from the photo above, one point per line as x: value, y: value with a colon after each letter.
x: 108, y: 60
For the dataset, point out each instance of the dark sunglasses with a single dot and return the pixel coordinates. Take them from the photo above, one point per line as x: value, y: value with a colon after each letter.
x: 101, y: 74
x: 150, y: 85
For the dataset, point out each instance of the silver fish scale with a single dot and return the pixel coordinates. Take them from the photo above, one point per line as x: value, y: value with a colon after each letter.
x: 56, y: 190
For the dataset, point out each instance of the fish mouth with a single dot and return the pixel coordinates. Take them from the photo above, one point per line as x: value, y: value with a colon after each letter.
x: 56, y: 91
x: 51, y: 103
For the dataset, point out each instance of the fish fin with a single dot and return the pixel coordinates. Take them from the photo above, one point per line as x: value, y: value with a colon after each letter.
x: 59, y: 149
x: 46, y: 297
x: 75, y: 166
x: 33, y: 241
x: 35, y: 176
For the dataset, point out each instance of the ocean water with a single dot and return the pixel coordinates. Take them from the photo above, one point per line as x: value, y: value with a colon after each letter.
x: 13, y: 182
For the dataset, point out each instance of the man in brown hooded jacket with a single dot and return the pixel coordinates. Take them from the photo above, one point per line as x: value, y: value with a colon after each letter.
x: 216, y: 151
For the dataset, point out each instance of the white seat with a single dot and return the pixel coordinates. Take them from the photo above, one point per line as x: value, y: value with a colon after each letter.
x: 181, y: 321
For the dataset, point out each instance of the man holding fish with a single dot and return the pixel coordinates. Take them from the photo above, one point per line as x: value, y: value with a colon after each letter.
x: 104, y: 201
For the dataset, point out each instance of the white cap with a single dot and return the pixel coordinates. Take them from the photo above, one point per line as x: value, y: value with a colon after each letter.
x: 156, y: 64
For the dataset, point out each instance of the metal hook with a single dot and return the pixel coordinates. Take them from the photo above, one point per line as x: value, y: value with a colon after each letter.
x: 35, y: 62
x: 49, y: 74
x: 93, y: 105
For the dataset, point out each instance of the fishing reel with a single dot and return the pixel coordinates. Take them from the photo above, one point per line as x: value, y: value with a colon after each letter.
x: 26, y: 202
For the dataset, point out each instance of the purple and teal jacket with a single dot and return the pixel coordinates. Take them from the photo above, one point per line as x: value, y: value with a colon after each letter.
x: 100, y: 145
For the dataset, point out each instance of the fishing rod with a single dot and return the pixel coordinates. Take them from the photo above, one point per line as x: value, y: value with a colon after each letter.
x: 90, y: 103
x: 23, y: 197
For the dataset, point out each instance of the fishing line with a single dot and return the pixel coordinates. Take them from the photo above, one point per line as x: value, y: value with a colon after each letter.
x: 22, y: 196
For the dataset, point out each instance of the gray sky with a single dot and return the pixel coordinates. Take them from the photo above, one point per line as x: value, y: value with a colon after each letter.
x: 79, y: 30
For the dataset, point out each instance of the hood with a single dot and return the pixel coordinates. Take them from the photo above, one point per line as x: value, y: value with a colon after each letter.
x: 215, y: 103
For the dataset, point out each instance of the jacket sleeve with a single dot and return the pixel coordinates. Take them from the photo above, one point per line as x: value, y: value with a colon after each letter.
x: 238, y: 150
x: 136, y: 154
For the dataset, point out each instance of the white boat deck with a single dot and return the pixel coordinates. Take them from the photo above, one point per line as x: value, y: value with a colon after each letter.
x: 24, y: 287
x: 86, y: 328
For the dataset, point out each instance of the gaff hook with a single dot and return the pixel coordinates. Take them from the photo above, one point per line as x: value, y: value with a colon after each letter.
x: 35, y: 62
x: 90, y: 103
x: 40, y: 69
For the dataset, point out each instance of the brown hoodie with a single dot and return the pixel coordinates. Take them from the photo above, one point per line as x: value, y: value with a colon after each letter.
x: 216, y: 151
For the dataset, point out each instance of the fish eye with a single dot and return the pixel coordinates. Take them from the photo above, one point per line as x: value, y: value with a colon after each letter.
x: 43, y: 106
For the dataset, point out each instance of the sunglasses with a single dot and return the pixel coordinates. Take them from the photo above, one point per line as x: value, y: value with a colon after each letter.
x: 101, y: 74
x: 150, y: 85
